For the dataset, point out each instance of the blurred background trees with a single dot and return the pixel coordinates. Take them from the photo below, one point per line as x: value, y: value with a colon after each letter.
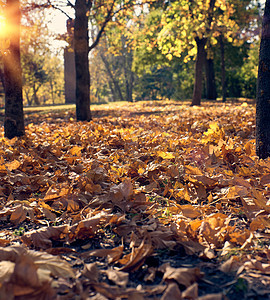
x: 148, y: 51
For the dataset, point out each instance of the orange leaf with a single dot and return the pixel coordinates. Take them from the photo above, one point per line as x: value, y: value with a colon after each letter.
x: 14, y: 165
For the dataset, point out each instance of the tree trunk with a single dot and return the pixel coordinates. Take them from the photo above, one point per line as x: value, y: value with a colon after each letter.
x: 129, y: 75
x: 197, y: 91
x: 116, y: 88
x: 263, y: 90
x: 35, y: 96
x: 127, y: 65
x: 81, y: 50
x: 211, y: 92
x: 129, y: 84
x: 69, y: 76
x: 223, y: 70
x: 14, y: 118
x: 114, y: 96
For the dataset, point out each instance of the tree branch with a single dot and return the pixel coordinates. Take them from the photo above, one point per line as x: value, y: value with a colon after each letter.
x: 107, y: 19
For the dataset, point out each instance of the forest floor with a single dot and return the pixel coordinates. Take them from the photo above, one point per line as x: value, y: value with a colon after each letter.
x: 150, y: 200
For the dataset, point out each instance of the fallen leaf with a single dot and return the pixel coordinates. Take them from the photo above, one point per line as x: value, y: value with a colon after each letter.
x: 172, y: 292
x: 118, y: 277
x: 185, y: 277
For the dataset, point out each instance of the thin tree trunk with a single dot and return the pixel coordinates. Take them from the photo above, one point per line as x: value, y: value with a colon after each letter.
x: 197, y: 91
x: 14, y: 118
x: 114, y: 96
x: 127, y: 65
x: 116, y: 89
x: 211, y: 92
x: 29, y: 102
x: 128, y: 86
x: 129, y: 76
x: 35, y: 96
x: 263, y: 90
x: 223, y: 69
x: 81, y: 49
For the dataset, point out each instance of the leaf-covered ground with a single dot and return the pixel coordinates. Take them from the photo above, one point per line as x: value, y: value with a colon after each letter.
x: 150, y: 200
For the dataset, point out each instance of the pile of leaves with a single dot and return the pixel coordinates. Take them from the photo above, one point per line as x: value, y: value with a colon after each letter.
x: 150, y: 200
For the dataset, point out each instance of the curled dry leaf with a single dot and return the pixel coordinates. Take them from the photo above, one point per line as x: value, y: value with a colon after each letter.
x: 113, y: 255
x: 28, y: 273
x: 185, y: 277
x: 136, y: 258
x: 20, y: 212
x: 231, y: 265
x: 42, y: 238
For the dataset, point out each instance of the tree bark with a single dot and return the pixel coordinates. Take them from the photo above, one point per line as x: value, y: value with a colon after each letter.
x: 197, y: 91
x: 129, y: 76
x: 263, y: 89
x: 14, y: 118
x: 211, y: 91
x: 69, y: 76
x: 223, y: 69
x: 81, y: 50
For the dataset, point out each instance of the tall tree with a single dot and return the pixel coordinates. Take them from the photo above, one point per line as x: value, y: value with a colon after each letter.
x: 263, y: 89
x: 102, y: 12
x: 190, y: 28
x: 81, y: 50
x: 14, y: 118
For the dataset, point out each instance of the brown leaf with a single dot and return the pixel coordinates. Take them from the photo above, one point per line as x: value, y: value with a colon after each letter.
x: 190, y: 211
x: 91, y: 272
x: 265, y: 179
x: 237, y: 191
x: 18, y: 215
x: 191, y: 292
x: 54, y: 193
x: 260, y: 200
x: 86, y: 228
x: 27, y: 281
x: 42, y: 238
x: 183, y: 276
x: 113, y: 255
x: 118, y: 277
x: 218, y: 296
x: 172, y: 292
x: 135, y: 260
x: 231, y: 265
x: 260, y: 222
x: 113, y: 292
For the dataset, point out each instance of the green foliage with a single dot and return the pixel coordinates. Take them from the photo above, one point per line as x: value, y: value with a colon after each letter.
x: 249, y: 70
x: 184, y: 20
x: 241, y: 69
